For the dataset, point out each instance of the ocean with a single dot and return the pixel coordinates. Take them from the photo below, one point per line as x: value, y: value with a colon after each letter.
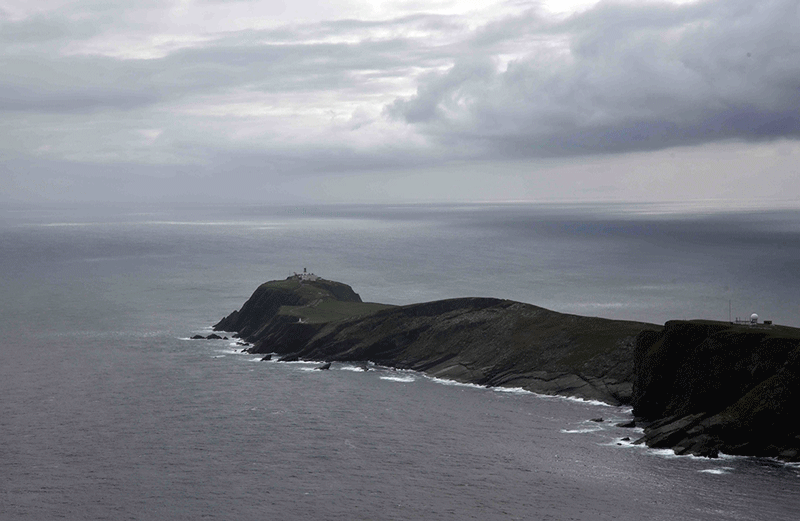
x: 109, y: 411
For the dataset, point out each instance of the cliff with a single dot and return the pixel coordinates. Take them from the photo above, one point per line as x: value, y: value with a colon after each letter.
x: 708, y: 387
x: 478, y: 340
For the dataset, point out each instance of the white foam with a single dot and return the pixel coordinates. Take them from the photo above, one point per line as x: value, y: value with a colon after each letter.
x: 353, y: 368
x: 720, y: 470
x: 572, y: 399
x: 579, y: 400
x: 455, y: 383
x: 581, y: 431
x: 670, y: 454
x: 512, y: 390
x: 664, y: 453
x: 403, y: 379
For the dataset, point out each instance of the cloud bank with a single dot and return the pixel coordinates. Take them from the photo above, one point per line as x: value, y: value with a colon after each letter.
x: 260, y: 93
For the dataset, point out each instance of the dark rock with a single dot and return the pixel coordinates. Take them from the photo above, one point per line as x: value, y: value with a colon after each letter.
x: 598, y: 420
x: 717, y: 387
x: 266, y: 358
x: 324, y: 367
x: 627, y: 425
x: 626, y: 438
x: 214, y: 336
x: 198, y: 337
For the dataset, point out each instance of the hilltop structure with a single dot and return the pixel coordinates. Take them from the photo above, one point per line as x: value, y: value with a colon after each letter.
x: 305, y: 276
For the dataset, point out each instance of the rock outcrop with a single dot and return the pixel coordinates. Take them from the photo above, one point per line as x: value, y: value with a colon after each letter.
x: 708, y: 387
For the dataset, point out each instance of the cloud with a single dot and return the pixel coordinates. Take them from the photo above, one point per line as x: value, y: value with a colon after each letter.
x: 621, y: 77
x: 257, y: 92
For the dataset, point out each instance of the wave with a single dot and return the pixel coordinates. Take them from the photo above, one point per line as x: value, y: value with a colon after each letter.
x: 584, y: 430
x: 403, y: 379
x: 354, y: 368
x: 444, y: 381
x: 574, y: 399
x: 512, y: 390
x: 718, y: 470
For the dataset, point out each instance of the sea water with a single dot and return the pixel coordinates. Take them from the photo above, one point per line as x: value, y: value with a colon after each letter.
x: 108, y: 411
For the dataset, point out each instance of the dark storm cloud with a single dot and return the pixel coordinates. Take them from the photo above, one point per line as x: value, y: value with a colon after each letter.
x: 628, y: 77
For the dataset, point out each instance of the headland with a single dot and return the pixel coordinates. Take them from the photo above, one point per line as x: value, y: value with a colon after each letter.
x: 698, y: 387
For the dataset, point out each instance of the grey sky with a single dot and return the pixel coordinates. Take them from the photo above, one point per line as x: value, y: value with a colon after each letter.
x: 382, y: 101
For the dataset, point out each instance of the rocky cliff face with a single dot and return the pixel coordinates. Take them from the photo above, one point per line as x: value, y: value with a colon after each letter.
x: 708, y: 387
x: 477, y: 340
x: 492, y: 342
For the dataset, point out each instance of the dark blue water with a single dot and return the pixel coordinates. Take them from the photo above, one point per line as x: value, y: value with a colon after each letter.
x: 108, y: 412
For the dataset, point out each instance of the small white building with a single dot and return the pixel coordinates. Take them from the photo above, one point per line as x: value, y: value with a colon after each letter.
x: 306, y: 276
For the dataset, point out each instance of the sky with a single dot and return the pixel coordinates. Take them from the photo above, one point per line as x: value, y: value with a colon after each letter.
x: 399, y: 101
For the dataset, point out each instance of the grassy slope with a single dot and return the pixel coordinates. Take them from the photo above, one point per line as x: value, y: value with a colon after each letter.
x: 329, y: 310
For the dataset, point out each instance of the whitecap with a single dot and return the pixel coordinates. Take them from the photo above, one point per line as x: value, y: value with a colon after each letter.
x: 581, y: 431
x: 583, y: 400
x: 455, y: 383
x: 512, y: 390
x: 670, y: 454
x: 403, y: 379
x: 353, y: 368
x: 719, y: 470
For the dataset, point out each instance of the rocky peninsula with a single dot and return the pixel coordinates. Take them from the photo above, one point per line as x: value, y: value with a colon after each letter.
x: 698, y: 387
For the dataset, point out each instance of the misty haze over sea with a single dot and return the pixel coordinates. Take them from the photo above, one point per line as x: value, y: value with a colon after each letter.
x: 109, y: 412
